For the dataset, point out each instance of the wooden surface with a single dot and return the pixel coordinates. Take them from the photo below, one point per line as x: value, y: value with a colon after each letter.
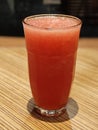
x: 16, y: 99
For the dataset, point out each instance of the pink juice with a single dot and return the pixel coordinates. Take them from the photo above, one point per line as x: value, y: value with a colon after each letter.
x: 52, y: 43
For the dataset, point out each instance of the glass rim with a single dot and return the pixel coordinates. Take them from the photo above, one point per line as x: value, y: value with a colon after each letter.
x: 79, y: 22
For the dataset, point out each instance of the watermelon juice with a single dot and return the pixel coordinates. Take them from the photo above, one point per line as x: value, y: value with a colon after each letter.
x: 52, y: 42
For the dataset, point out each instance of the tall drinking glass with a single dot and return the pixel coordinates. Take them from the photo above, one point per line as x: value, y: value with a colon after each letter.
x: 51, y: 41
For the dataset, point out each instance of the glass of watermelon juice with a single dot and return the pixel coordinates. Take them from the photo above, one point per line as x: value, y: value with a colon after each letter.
x: 51, y: 42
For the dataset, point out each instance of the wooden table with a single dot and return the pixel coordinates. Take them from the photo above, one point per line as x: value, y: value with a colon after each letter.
x: 15, y: 94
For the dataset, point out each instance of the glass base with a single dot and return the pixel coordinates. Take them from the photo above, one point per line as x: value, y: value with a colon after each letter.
x: 49, y: 113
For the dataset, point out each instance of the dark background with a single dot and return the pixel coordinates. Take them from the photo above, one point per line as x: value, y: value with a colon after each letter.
x: 12, y: 12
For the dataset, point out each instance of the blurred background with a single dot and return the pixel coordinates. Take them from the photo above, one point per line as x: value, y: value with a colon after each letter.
x: 12, y: 12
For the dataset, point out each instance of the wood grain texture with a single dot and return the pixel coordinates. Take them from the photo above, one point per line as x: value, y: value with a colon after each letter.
x: 15, y: 94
